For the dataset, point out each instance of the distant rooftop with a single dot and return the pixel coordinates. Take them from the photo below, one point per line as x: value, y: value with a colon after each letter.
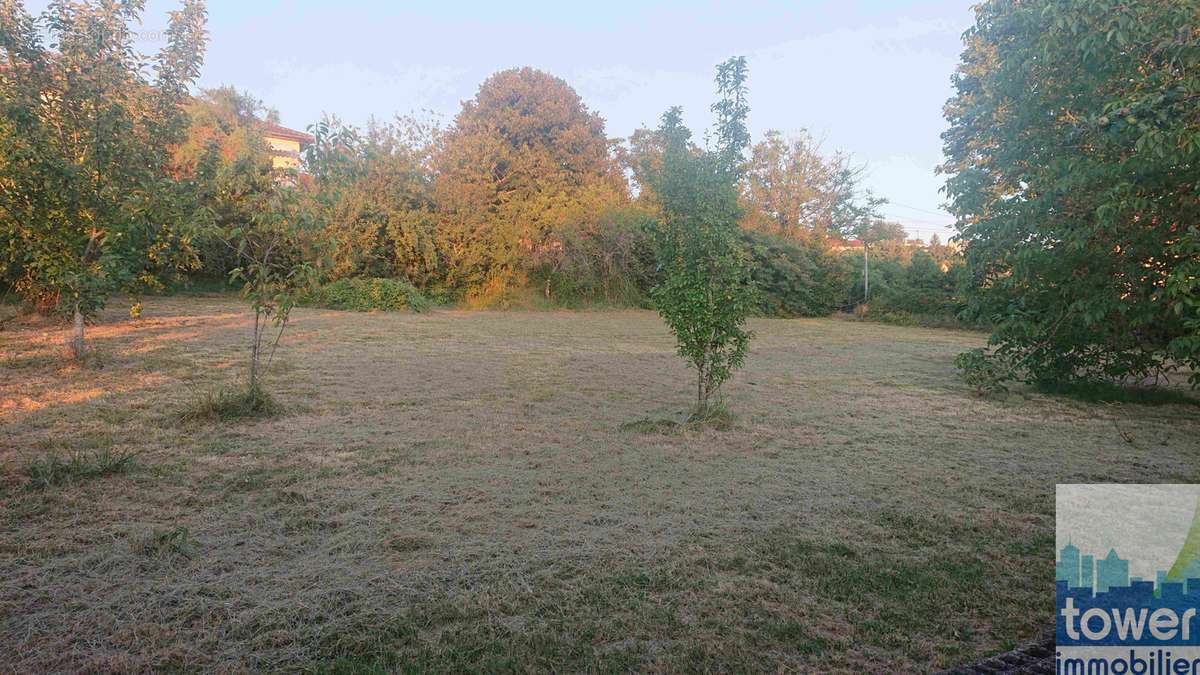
x: 276, y: 131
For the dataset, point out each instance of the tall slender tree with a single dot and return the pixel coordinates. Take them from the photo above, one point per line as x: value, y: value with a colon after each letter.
x: 706, y: 289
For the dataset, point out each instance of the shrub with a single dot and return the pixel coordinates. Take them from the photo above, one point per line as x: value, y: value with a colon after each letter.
x: 791, y: 279
x: 232, y: 404
x: 882, y: 313
x: 983, y: 371
x: 609, y: 261
x: 369, y: 295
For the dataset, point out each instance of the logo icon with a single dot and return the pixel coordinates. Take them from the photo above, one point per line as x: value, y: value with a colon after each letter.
x: 1127, y: 580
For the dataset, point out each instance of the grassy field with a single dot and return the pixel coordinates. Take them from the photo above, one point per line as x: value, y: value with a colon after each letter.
x: 510, y: 491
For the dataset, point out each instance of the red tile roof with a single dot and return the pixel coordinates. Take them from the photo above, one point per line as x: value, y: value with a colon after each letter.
x: 276, y: 131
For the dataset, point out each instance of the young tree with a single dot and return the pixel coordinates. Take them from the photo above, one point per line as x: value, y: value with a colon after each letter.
x: 279, y: 255
x: 705, y: 293
x: 87, y: 206
x: 1073, y: 149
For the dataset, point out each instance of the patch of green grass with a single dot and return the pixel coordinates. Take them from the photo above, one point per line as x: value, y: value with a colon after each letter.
x: 649, y: 426
x: 406, y: 543
x: 716, y: 415
x: 231, y: 404
x: 287, y: 497
x: 167, y: 543
x: 78, y: 466
x: 794, y: 633
x: 30, y: 361
x: 893, y: 597
x: 253, y: 479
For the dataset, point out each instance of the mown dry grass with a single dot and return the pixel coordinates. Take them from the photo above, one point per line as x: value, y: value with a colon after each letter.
x: 506, y: 491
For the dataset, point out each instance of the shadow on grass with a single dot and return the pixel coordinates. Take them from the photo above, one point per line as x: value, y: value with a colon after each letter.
x: 1107, y: 392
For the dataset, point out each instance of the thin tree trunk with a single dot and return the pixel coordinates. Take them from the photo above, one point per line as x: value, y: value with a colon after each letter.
x: 254, y: 353
x: 703, y: 388
x: 77, y: 346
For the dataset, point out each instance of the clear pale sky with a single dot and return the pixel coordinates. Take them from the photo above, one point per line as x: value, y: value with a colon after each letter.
x: 870, y: 77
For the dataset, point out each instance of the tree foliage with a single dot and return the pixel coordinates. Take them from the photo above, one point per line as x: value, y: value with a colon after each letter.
x: 374, y: 192
x: 524, y: 161
x: 705, y: 292
x: 791, y: 278
x: 279, y: 250
x: 794, y: 191
x: 86, y: 205
x: 1074, y: 162
x: 224, y: 167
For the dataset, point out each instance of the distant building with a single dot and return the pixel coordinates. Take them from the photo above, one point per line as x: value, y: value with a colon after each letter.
x: 842, y: 245
x: 1067, y: 568
x: 1088, y: 567
x: 286, y: 145
x: 1111, y: 572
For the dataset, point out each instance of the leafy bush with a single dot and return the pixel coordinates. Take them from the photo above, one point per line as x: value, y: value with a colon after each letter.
x: 369, y: 295
x: 881, y: 313
x: 608, y: 261
x: 983, y: 371
x: 792, y: 279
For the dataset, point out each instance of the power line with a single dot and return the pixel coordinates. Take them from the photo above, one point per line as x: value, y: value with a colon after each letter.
x: 914, y: 208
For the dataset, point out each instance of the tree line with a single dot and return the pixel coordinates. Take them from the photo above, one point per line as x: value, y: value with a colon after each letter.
x: 522, y: 192
x: 1075, y: 198
x: 115, y: 181
x: 524, y: 195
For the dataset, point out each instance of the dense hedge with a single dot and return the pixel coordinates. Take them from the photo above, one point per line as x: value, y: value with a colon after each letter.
x: 792, y: 280
x: 367, y: 295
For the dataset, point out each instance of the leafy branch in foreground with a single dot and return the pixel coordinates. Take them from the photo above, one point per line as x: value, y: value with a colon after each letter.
x: 1076, y: 198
